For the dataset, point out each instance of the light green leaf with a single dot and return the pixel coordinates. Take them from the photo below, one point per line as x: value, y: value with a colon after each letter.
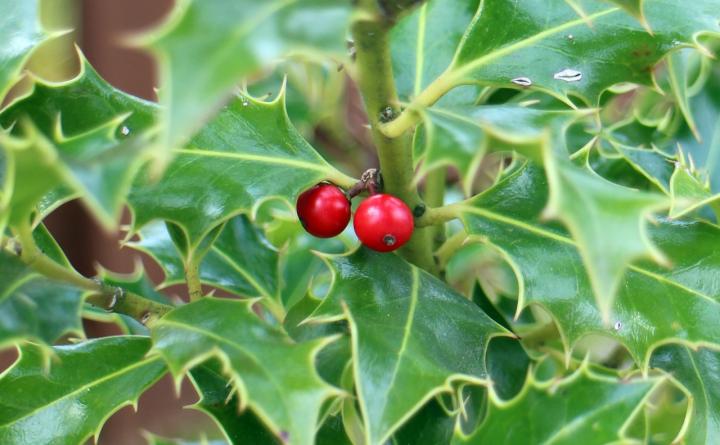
x: 687, y: 191
x: 248, y: 154
x: 208, y: 46
x: 705, y: 152
x: 70, y: 403
x: 400, y: 359
x: 83, y: 135
x: 34, y: 307
x: 273, y: 376
x: 581, y: 408
x: 697, y: 370
x: 655, y: 304
x: 219, y: 400
x: 20, y: 25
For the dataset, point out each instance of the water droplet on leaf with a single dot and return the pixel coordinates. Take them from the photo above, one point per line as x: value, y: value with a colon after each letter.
x: 124, y: 131
x: 522, y: 81
x: 618, y: 326
x: 568, y: 75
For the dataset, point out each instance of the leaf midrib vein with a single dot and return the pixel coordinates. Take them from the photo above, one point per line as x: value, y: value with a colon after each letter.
x: 462, y: 70
x: 406, y: 330
x: 252, y: 157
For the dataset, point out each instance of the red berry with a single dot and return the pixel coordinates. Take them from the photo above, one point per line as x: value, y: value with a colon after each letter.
x: 383, y: 222
x: 324, y: 210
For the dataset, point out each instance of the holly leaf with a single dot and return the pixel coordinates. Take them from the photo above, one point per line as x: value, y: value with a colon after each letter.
x: 697, y: 371
x: 687, y: 191
x: 20, y: 23
x: 557, y: 52
x: 273, y: 376
x: 582, y: 408
x: 461, y: 135
x: 219, y: 400
x: 231, y: 41
x: 550, y: 274
x: 608, y: 222
x: 418, y: 55
x: 705, y: 150
x: 72, y: 400
x: 34, y: 307
x: 83, y: 135
x: 399, y: 361
x: 240, y: 260
x: 248, y: 154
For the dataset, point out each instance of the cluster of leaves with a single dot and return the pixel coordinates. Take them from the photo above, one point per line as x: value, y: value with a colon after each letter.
x: 575, y: 299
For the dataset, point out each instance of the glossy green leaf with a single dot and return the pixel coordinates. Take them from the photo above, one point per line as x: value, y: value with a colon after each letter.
x: 248, y: 154
x: 219, y: 400
x: 20, y: 25
x: 85, y: 384
x: 608, y: 222
x: 80, y: 134
x: 423, y: 43
x: 34, y: 307
x: 655, y: 304
x: 460, y: 136
x: 230, y: 41
x: 240, y: 260
x: 560, y: 54
x: 550, y: 48
x: 274, y: 376
x: 581, y: 408
x: 412, y: 336
x: 697, y: 370
x: 429, y: 426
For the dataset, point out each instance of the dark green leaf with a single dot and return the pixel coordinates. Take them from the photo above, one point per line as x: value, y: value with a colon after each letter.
x: 579, y: 409
x: 82, y: 134
x: 69, y: 403
x: 273, y: 376
x: 412, y: 336
x: 34, y: 307
x: 220, y: 401
x: 654, y: 305
x: 250, y: 153
x: 698, y: 371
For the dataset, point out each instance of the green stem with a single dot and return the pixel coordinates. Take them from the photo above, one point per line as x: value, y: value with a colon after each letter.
x: 411, y: 116
x: 192, y: 276
x: 376, y: 83
x: 435, y: 197
x: 110, y: 298
x: 446, y: 251
x: 438, y: 215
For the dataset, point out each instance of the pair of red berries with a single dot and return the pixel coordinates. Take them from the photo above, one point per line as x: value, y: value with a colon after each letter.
x: 382, y: 222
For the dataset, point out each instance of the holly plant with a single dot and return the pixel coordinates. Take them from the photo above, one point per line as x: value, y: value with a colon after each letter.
x: 397, y: 222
